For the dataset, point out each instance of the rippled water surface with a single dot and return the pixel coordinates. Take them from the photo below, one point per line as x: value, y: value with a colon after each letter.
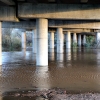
x: 76, y: 70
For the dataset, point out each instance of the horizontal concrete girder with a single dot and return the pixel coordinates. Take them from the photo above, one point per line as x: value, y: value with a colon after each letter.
x: 77, y: 30
x: 22, y: 24
x: 54, y: 24
x: 7, y: 14
x: 59, y: 11
x: 74, y: 24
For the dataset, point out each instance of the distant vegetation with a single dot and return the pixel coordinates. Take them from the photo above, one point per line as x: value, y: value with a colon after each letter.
x: 90, y: 41
x: 11, y: 39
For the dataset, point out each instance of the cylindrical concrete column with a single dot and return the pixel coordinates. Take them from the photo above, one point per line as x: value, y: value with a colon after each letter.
x: 34, y: 41
x: 60, y: 40
x: 84, y: 39
x: 79, y: 40
x: 0, y: 43
x: 98, y: 40
x: 68, y: 40
x: 98, y: 37
x: 74, y: 38
x: 23, y: 40
x: 42, y: 42
x: 51, y: 40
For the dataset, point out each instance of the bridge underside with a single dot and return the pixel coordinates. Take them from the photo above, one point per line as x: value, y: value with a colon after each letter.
x: 43, y: 16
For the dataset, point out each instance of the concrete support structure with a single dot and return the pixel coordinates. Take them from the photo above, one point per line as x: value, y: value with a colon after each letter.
x: 42, y: 42
x: 0, y: 43
x: 23, y: 40
x: 74, y: 40
x: 51, y: 40
x: 79, y: 40
x: 68, y: 40
x: 59, y: 11
x: 84, y: 39
x: 34, y: 41
x: 60, y: 40
x: 98, y: 37
x: 98, y: 40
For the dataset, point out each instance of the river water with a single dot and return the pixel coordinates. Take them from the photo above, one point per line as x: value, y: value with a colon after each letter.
x: 76, y: 70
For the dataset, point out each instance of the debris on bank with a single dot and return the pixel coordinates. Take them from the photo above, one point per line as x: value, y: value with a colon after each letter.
x: 54, y: 94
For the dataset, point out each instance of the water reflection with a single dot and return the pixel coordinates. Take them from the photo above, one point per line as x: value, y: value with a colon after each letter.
x: 60, y: 58
x: 75, y: 70
x: 74, y: 50
x: 42, y: 77
x: 0, y: 70
x: 98, y: 58
x: 51, y: 55
x: 68, y: 54
x: 24, y: 53
x: 1, y: 97
x: 34, y: 57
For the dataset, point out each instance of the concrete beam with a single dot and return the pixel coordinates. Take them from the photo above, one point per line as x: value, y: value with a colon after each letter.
x: 54, y: 24
x: 76, y: 30
x: 7, y: 14
x: 22, y: 24
x: 8, y: 2
x: 59, y: 11
x: 74, y: 24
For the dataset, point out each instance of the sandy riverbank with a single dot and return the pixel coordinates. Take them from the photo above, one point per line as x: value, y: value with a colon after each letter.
x: 52, y: 94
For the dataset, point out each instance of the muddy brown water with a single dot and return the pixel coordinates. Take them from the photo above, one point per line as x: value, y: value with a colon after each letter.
x: 76, y: 70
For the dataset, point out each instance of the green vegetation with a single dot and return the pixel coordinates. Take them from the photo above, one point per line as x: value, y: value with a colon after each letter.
x: 11, y: 41
x: 90, y: 41
x: 74, y: 44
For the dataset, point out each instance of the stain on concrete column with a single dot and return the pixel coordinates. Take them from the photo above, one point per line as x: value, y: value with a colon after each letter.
x: 34, y: 41
x: 0, y: 43
x: 60, y: 40
x: 42, y: 42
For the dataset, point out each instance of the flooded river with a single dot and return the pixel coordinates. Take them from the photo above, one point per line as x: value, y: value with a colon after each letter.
x: 76, y: 70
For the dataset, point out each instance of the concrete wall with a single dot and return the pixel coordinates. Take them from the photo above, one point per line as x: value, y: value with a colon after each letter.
x: 59, y: 11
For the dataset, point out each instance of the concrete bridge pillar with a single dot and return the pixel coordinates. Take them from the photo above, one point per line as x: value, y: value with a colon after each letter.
x: 60, y: 40
x: 98, y: 40
x: 79, y: 40
x: 98, y: 37
x: 68, y: 40
x: 42, y: 42
x: 0, y: 43
x: 84, y: 39
x: 34, y: 41
x: 51, y: 40
x: 23, y: 40
x: 74, y: 39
